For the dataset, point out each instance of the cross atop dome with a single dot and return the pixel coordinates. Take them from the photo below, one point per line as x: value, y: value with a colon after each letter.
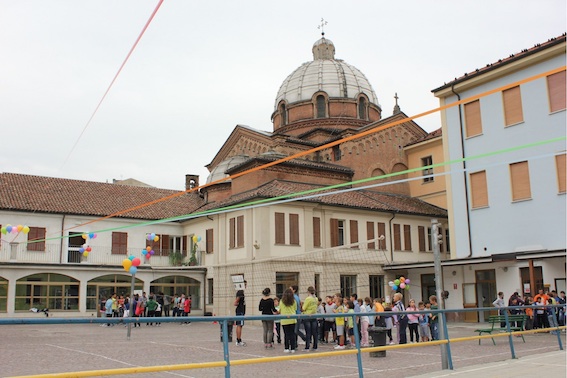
x: 322, y: 26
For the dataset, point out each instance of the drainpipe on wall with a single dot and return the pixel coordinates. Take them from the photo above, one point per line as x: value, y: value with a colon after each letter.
x: 61, y: 240
x: 391, y: 238
x: 461, y: 129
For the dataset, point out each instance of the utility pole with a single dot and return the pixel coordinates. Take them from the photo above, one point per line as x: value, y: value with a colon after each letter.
x: 436, y: 240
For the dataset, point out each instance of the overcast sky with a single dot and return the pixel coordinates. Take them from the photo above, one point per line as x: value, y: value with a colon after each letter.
x: 204, y: 67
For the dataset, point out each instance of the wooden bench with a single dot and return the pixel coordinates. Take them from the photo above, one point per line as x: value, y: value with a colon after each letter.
x: 516, y: 324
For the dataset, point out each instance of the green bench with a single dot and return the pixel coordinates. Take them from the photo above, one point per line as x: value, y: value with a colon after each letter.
x: 516, y: 324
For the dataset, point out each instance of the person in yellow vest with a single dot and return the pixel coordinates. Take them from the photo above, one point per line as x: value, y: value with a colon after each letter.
x: 310, y: 308
x: 288, y: 306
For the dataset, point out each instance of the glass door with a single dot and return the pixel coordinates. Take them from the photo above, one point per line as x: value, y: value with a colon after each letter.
x: 485, y: 292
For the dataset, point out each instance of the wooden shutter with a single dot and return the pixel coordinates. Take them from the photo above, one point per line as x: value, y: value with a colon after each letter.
x: 294, y: 229
x: 184, y: 246
x: 382, y: 232
x: 520, y: 177
x: 512, y: 99
x: 165, y: 246
x: 280, y: 227
x: 232, y: 232
x: 421, y: 236
x: 370, y: 234
x: 556, y: 91
x: 560, y: 165
x: 209, y: 240
x: 407, y: 237
x: 479, y: 189
x: 119, y: 243
x: 240, y: 231
x: 354, y: 232
x: 397, y: 238
x: 36, y: 233
x: 334, y: 232
x: 316, y: 232
x: 473, y: 122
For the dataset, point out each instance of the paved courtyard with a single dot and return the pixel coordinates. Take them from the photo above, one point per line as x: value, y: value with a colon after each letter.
x: 58, y: 348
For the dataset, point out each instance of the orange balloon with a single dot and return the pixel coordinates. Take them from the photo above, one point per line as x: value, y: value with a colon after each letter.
x: 148, y: 248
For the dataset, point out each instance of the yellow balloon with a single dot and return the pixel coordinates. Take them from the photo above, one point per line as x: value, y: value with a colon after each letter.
x: 86, y: 254
x: 126, y: 263
x: 195, y: 238
x: 26, y: 229
x: 156, y: 238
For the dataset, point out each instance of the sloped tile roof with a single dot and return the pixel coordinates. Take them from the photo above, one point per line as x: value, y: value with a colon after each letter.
x: 20, y: 192
x: 432, y: 135
x: 501, y: 62
x: 360, y: 199
x: 40, y: 194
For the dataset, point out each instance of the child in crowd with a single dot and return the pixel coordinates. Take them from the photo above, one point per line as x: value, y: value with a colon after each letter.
x: 321, y: 320
x: 340, y: 321
x: 389, y: 323
x: 277, y: 322
x: 364, y: 321
x: 423, y: 324
x: 413, y: 322
x: 350, y: 322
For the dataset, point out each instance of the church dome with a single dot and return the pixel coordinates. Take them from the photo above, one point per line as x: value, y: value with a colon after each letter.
x: 324, y: 73
x: 219, y: 172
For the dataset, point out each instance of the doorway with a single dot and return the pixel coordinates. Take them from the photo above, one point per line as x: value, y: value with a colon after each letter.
x: 486, y: 292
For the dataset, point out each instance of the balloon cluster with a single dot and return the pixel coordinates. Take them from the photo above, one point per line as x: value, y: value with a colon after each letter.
x: 86, y: 249
x: 152, y: 236
x: 148, y: 252
x: 196, y: 239
x: 9, y: 229
x: 131, y: 264
x: 402, y: 283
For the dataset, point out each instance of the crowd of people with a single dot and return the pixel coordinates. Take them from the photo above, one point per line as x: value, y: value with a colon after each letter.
x: 540, y: 310
x: 152, y: 306
x: 422, y: 326
x: 324, y: 329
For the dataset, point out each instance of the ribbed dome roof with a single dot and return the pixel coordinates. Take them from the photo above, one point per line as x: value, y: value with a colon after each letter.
x: 325, y: 73
x: 219, y: 172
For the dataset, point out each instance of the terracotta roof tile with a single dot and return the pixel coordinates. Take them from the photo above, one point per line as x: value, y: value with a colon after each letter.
x: 361, y: 199
x: 501, y: 62
x: 20, y: 192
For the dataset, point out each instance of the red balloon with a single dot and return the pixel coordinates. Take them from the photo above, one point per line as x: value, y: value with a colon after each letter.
x: 136, y: 261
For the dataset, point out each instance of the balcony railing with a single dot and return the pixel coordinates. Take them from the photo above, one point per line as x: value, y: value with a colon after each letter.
x: 99, y: 255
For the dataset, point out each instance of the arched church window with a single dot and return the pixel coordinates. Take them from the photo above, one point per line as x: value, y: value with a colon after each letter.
x: 362, y: 108
x: 283, y: 114
x: 321, y: 106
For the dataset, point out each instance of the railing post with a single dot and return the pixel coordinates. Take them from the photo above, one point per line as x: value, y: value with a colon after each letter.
x: 559, y: 341
x: 225, y: 347
x: 510, y: 340
x: 448, y: 345
x: 357, y: 342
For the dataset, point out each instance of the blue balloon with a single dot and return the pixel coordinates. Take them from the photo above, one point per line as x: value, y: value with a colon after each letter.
x: 395, y: 287
x: 133, y: 270
x: 144, y: 252
x: 131, y: 257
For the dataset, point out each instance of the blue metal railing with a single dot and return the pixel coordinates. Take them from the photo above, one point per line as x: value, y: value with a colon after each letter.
x: 224, y: 321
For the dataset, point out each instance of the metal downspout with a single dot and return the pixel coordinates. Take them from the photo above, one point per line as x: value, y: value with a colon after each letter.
x: 391, y: 238
x: 61, y: 240
x: 465, y: 177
